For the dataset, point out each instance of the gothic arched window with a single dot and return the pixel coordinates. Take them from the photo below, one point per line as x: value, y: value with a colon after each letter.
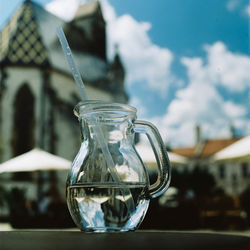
x: 23, y: 129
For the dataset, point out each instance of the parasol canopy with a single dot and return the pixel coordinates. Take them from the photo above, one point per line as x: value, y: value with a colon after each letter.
x: 35, y: 160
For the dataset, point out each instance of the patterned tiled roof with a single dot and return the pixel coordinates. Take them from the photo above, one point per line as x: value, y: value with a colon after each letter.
x: 20, y: 40
x: 29, y: 39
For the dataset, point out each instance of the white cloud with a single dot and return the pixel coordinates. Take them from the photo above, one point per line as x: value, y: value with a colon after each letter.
x: 247, y: 10
x: 232, y: 5
x: 228, y: 69
x: 223, y: 68
x: 141, y: 110
x: 144, y: 61
x: 234, y: 110
x: 64, y: 9
x: 108, y: 11
x: 201, y: 103
x: 238, y: 5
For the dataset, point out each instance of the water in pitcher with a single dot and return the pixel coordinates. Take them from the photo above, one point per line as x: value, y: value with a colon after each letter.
x: 104, y: 207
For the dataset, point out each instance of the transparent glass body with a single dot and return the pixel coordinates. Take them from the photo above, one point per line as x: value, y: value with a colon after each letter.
x: 108, y: 187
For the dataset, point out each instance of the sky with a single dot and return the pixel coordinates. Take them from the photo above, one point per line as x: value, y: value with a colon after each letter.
x: 187, y: 62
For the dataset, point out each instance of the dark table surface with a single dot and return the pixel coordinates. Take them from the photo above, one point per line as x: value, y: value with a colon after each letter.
x: 60, y: 240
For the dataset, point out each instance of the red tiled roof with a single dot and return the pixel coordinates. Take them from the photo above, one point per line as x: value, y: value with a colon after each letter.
x: 208, y: 148
x: 213, y: 146
x: 188, y: 152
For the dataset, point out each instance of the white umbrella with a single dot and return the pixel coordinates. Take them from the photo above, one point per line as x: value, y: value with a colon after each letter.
x: 237, y: 150
x: 35, y: 160
x: 147, y: 155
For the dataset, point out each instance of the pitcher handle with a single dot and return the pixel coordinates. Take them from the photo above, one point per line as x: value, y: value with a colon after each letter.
x: 164, y: 169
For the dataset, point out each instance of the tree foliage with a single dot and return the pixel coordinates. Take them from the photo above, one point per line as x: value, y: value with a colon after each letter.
x: 199, y: 180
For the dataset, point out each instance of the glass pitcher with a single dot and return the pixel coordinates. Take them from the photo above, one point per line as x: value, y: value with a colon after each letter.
x: 108, y: 188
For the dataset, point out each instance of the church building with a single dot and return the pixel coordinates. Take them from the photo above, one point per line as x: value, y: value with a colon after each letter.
x: 37, y: 90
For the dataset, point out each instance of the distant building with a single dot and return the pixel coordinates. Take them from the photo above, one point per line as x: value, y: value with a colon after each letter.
x: 232, y: 175
x: 37, y: 91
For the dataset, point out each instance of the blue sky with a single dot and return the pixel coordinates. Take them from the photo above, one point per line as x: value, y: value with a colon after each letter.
x: 187, y: 61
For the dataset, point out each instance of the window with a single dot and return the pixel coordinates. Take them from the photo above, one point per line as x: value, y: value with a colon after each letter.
x: 23, y: 129
x: 244, y: 169
x: 222, y: 173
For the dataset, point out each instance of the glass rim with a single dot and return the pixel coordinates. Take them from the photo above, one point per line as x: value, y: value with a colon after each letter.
x: 97, y: 106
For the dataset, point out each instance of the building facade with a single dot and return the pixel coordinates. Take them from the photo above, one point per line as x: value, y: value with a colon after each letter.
x: 37, y: 91
x: 231, y: 175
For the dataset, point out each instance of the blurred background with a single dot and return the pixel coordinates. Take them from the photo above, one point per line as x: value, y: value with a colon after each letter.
x: 183, y: 64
